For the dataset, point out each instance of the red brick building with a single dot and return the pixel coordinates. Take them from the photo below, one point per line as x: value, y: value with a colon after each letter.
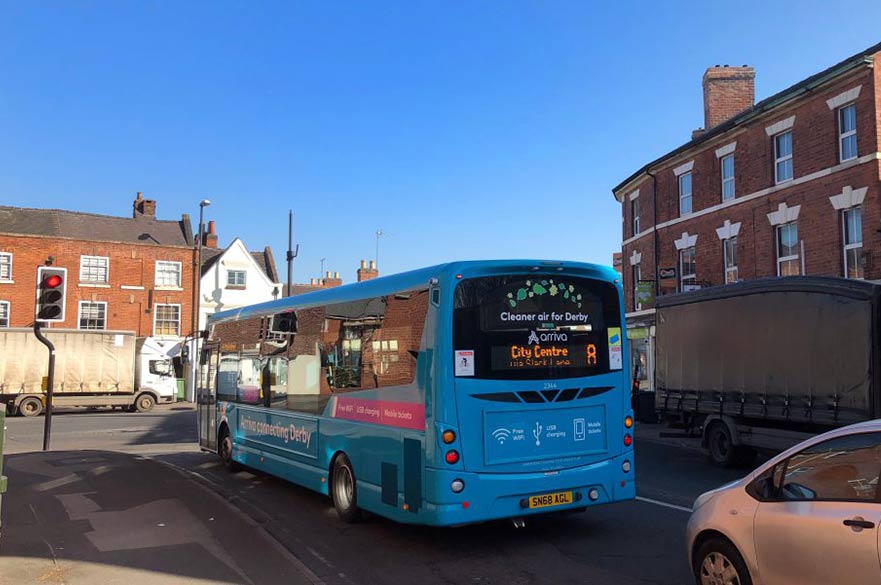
x: 132, y: 274
x: 789, y: 185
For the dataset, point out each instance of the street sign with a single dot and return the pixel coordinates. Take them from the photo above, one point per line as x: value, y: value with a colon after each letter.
x: 667, y: 272
x: 645, y: 293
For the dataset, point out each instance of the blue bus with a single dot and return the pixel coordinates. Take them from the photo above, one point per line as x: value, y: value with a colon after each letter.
x: 460, y: 393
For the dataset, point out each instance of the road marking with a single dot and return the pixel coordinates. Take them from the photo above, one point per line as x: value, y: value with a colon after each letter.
x: 664, y: 504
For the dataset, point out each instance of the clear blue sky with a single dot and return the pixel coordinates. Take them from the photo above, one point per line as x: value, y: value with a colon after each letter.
x: 464, y: 129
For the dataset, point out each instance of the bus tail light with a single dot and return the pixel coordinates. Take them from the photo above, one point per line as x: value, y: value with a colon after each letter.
x: 448, y: 436
x: 457, y: 486
x: 628, y: 421
x: 452, y: 457
x: 628, y: 440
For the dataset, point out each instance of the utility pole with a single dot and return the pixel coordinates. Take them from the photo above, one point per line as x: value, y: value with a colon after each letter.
x: 292, y: 253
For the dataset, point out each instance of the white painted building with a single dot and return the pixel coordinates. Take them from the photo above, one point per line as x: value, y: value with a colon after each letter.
x: 234, y: 278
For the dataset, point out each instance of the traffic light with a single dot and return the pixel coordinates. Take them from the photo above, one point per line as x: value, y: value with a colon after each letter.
x: 51, y: 286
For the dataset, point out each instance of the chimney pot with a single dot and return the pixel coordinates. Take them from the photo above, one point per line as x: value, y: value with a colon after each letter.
x: 327, y: 275
x: 373, y: 265
x: 211, y: 227
x: 363, y: 264
x: 336, y: 274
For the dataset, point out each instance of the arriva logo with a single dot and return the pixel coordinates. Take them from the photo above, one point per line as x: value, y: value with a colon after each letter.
x: 535, y: 338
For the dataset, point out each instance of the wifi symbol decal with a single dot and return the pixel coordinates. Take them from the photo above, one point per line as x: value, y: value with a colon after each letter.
x: 501, y: 435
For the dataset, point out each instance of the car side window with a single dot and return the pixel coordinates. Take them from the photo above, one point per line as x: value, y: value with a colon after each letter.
x: 840, y: 469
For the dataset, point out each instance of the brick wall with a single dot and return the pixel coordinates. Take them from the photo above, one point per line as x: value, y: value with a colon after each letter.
x: 815, y: 152
x: 130, y: 265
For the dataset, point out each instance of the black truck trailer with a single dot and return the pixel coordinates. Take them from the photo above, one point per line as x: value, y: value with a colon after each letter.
x: 762, y: 364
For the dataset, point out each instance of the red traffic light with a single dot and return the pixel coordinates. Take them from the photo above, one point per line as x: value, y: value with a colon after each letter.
x: 54, y: 281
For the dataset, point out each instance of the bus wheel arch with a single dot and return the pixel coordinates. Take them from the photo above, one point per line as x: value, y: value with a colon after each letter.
x: 224, y: 448
x: 342, y: 488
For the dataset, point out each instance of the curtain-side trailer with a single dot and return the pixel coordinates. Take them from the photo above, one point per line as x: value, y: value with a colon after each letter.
x: 760, y: 365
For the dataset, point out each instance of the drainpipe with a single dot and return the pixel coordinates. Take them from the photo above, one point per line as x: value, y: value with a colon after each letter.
x: 655, y: 229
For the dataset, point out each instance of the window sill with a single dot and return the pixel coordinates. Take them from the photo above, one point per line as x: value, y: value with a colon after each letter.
x: 236, y: 287
x: 93, y: 285
x: 4, y: 281
x: 784, y: 181
x: 130, y: 287
x: 174, y: 288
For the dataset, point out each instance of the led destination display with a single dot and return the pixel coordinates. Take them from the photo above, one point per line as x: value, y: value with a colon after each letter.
x: 534, y: 327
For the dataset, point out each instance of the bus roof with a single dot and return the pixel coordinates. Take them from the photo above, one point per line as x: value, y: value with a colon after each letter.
x: 404, y: 281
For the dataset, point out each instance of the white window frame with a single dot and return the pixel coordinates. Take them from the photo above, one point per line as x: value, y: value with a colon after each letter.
x: 79, y: 315
x: 844, y: 135
x: 797, y: 256
x: 7, y: 262
x: 106, y: 260
x: 726, y: 269
x: 230, y: 273
x: 7, y: 311
x: 692, y: 276
x: 683, y: 196
x: 784, y: 158
x: 634, y: 216
x: 179, y: 271
x: 156, y: 318
x: 727, y: 180
x: 636, y: 274
x: 847, y: 247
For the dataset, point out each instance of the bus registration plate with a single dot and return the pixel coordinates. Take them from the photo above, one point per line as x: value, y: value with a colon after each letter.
x: 546, y: 500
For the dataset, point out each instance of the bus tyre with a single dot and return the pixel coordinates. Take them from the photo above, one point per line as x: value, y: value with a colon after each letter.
x: 343, y: 490
x: 224, y: 449
x: 30, y: 406
x: 717, y: 561
x: 145, y: 403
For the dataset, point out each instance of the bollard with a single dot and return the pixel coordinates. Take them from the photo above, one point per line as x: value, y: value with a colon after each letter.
x: 2, y: 477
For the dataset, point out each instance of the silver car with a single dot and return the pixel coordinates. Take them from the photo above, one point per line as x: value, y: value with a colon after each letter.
x: 810, y: 516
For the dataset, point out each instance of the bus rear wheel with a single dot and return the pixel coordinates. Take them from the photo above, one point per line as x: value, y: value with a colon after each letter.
x: 224, y: 450
x: 343, y: 490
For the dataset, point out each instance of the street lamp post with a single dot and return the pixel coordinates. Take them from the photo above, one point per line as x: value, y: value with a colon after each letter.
x: 197, y: 282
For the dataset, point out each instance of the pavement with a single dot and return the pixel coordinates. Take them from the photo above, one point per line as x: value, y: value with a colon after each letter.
x: 103, y: 517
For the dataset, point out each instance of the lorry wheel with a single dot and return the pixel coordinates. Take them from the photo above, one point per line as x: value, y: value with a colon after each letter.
x: 720, y: 446
x: 30, y: 406
x: 145, y: 403
x: 343, y: 490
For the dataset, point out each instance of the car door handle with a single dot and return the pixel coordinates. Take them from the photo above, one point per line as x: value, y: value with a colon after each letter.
x: 859, y: 523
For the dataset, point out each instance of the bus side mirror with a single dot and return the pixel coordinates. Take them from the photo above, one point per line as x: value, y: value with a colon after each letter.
x: 284, y: 323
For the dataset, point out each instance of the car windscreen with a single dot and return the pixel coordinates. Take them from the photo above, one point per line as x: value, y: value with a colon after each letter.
x: 518, y: 327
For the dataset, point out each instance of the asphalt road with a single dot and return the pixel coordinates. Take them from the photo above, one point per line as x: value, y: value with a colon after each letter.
x: 637, y: 542
x: 166, y: 426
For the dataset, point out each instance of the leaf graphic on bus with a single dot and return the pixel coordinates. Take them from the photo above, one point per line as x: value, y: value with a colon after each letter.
x: 521, y: 294
x: 539, y: 289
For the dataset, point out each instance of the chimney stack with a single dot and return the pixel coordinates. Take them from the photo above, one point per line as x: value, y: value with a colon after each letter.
x: 728, y: 91
x: 143, y: 207
x: 365, y: 273
x: 332, y: 279
x: 211, y: 236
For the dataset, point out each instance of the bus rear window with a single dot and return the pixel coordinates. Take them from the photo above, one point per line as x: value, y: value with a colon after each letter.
x: 536, y: 327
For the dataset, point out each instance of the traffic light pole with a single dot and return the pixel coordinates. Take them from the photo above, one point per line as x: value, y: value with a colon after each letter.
x: 47, y: 428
